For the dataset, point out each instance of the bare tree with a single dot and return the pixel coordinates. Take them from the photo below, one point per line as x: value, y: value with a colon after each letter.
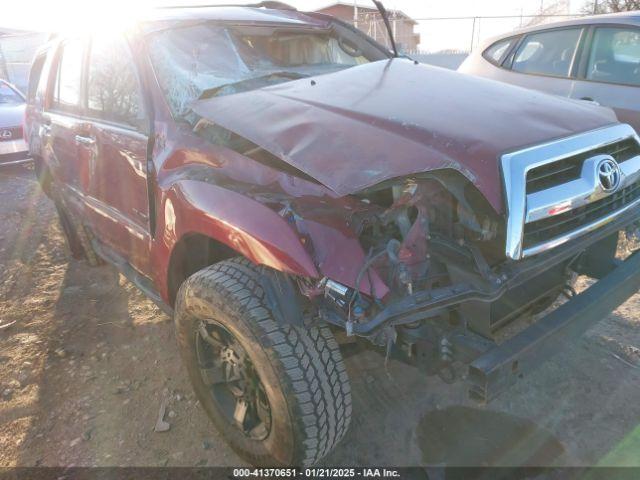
x: 611, y: 6
x: 549, y: 11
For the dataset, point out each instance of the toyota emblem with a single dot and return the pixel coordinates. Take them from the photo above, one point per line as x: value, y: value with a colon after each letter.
x: 609, y: 174
x: 5, y: 134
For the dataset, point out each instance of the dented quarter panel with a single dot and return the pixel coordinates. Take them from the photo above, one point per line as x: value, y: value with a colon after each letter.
x: 256, y: 210
x: 355, y: 128
x: 248, y: 227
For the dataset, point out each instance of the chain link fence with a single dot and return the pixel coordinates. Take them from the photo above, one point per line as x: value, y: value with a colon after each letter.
x: 446, y: 41
x: 464, y: 34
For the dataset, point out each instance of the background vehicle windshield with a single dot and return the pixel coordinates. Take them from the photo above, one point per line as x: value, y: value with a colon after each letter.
x: 189, y: 61
x: 9, y: 95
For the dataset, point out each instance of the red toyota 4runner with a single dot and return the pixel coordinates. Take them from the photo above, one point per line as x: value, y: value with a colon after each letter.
x: 271, y: 178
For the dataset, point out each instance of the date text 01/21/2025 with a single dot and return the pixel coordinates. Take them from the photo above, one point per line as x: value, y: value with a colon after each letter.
x: 315, y: 473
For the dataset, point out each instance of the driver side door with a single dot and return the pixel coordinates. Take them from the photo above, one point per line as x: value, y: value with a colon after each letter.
x: 115, y: 141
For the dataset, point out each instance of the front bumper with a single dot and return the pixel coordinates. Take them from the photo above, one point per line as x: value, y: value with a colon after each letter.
x: 502, y: 365
x: 14, y: 152
x: 424, y: 304
x: 494, y: 367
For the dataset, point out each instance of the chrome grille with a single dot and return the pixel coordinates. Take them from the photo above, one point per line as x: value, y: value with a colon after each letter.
x: 567, y: 169
x: 549, y: 228
x: 555, y: 192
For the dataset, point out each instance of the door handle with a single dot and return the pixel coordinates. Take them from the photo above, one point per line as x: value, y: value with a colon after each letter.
x: 87, y: 141
x: 589, y: 99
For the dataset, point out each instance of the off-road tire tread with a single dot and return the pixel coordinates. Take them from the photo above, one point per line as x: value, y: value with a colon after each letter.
x: 312, y: 372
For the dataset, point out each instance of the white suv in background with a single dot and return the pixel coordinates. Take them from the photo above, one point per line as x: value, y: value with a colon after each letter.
x: 593, y: 58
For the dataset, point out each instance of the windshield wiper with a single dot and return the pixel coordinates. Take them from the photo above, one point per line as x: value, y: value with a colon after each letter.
x: 250, y: 83
x: 385, y: 19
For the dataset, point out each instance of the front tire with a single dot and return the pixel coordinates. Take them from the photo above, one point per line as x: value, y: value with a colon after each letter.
x: 289, y: 384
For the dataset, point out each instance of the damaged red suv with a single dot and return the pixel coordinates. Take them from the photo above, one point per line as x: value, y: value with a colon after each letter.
x: 274, y: 178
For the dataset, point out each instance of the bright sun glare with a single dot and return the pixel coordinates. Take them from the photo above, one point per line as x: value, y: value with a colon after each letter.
x: 75, y: 16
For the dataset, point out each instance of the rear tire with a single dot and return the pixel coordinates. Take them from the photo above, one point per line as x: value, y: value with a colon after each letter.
x: 42, y: 175
x: 77, y: 236
x: 300, y: 369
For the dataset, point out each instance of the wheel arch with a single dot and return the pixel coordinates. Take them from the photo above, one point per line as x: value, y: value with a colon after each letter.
x: 202, y: 224
x: 193, y: 252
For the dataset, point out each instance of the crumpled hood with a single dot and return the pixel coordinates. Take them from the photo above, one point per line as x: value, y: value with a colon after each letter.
x: 358, y: 127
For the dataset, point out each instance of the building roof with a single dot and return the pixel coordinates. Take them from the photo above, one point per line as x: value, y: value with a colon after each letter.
x: 367, y: 8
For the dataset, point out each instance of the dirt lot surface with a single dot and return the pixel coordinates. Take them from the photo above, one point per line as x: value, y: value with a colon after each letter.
x: 88, y: 362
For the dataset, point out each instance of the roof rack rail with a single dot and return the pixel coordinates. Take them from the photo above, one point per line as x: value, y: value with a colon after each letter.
x: 267, y: 4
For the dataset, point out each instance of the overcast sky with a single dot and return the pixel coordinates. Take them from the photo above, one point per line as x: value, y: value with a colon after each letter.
x: 436, y: 35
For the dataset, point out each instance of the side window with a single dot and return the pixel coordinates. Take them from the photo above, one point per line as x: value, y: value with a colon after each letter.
x: 113, y: 90
x: 496, y: 52
x: 34, y: 76
x: 615, y: 56
x: 547, y: 53
x: 68, y: 84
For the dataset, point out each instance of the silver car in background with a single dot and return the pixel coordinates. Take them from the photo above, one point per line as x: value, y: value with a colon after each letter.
x: 13, y: 148
x: 593, y: 58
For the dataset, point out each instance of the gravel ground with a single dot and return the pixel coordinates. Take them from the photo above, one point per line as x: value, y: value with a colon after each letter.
x: 88, y: 362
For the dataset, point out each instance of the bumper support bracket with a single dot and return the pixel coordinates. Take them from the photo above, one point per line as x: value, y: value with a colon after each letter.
x: 502, y: 365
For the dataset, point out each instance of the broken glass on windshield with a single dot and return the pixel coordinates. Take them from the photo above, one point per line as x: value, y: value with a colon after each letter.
x: 209, y: 60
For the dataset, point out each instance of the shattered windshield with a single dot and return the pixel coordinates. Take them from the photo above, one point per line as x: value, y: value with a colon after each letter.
x: 207, y: 60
